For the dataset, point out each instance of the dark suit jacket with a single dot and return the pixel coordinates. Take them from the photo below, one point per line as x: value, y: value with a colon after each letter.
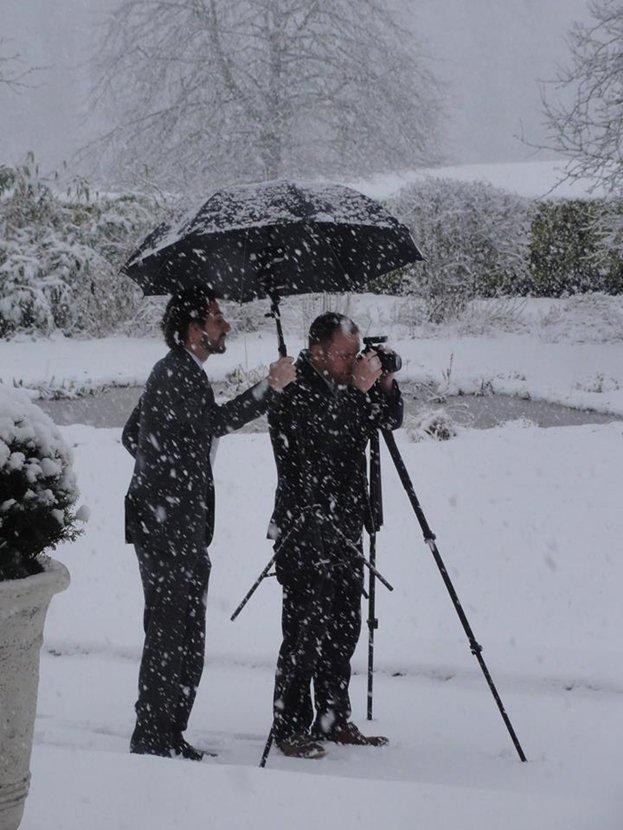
x: 319, y: 435
x: 170, y: 501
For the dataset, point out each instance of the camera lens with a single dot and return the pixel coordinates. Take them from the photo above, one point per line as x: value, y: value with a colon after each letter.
x: 391, y: 362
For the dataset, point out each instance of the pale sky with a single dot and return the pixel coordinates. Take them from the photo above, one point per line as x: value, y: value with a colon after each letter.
x: 490, y: 53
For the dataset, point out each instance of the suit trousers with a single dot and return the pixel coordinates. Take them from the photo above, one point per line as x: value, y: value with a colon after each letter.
x: 321, y: 624
x: 173, y: 653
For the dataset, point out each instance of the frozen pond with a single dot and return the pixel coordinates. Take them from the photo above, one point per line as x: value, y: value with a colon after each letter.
x: 111, y: 408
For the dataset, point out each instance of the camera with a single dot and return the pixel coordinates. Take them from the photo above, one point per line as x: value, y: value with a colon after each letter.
x: 390, y: 361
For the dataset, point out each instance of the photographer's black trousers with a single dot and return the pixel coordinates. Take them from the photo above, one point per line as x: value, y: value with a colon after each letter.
x: 173, y: 653
x: 321, y: 623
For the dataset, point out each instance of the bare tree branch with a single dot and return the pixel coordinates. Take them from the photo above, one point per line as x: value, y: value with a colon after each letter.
x: 587, y: 128
x: 251, y: 89
x: 13, y: 69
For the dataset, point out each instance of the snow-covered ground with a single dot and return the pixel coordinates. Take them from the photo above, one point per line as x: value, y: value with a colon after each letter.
x: 532, y: 179
x: 530, y: 526
x: 562, y: 351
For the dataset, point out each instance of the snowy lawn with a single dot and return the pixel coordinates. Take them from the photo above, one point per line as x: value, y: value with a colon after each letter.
x: 530, y: 526
x: 561, y: 351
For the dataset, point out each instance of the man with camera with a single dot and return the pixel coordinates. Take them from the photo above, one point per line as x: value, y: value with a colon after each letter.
x: 170, y: 510
x: 319, y: 428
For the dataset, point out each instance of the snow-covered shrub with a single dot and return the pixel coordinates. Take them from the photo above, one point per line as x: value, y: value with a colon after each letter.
x: 38, y: 490
x: 60, y: 256
x: 436, y: 423
x: 474, y: 238
x: 146, y: 318
x: 573, y: 248
x: 584, y: 318
x: 498, y: 314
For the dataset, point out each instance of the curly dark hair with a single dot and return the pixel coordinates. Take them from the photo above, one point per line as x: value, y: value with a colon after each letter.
x: 190, y: 306
x: 324, y: 327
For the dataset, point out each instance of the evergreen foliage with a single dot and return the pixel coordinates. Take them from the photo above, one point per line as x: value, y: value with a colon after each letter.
x: 37, y: 487
x: 570, y: 252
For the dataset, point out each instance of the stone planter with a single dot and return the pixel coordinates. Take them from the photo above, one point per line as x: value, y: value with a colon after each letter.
x: 23, y: 606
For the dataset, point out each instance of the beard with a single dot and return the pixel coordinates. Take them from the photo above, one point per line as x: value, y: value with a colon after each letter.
x: 343, y: 379
x: 212, y: 347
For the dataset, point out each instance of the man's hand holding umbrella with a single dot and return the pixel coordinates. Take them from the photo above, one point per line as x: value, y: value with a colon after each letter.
x: 281, y: 373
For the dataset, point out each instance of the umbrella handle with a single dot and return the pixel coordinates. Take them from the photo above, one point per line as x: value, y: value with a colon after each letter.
x: 276, y: 314
x: 283, y: 351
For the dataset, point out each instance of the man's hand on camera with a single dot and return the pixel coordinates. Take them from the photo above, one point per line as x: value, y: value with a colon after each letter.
x: 366, y: 371
x: 282, y: 372
x: 387, y: 381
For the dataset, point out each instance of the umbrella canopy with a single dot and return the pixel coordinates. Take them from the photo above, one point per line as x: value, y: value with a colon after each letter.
x: 249, y: 241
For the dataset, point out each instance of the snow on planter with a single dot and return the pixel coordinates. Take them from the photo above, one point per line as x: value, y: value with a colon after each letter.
x: 38, y: 491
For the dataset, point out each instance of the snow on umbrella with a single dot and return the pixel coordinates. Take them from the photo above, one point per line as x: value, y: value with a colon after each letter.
x: 251, y: 241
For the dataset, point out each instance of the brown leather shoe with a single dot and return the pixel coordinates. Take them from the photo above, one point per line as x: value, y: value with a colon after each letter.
x: 349, y: 734
x: 300, y: 746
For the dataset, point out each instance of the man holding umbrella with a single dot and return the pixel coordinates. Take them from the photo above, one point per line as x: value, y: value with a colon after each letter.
x: 319, y: 429
x: 170, y: 510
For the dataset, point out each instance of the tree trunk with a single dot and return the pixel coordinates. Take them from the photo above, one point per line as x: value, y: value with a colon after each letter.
x: 274, y: 124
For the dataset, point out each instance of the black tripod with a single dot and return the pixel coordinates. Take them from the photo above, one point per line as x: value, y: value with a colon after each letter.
x: 376, y: 521
x: 429, y: 538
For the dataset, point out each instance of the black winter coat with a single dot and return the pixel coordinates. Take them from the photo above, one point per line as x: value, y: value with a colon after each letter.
x: 170, y: 501
x: 319, y: 434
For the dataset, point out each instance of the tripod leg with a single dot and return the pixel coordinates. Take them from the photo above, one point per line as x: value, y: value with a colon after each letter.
x: 357, y: 555
x: 429, y: 538
x: 373, y: 624
x: 266, y: 570
x: 253, y: 588
x: 267, y: 748
x: 375, y: 517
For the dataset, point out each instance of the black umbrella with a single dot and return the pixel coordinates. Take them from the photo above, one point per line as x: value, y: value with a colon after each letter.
x: 253, y: 241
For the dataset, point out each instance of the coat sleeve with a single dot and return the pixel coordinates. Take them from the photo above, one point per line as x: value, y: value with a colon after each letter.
x: 387, y: 407
x: 284, y: 440
x: 293, y: 491
x: 129, y: 436
x: 246, y: 407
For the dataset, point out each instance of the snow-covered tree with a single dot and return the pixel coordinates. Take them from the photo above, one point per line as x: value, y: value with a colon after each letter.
x: 208, y: 91
x: 585, y: 117
x: 587, y: 125
x: 60, y: 254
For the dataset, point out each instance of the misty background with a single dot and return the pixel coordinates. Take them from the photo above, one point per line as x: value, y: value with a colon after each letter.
x: 491, y: 56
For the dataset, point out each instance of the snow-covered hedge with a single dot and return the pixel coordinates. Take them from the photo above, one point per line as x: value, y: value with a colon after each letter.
x: 60, y: 256
x: 38, y: 489
x: 573, y: 249
x: 480, y: 241
x: 475, y: 239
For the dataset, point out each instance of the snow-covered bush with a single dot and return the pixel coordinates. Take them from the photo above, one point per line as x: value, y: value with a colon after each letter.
x: 474, y: 238
x: 436, y: 423
x: 60, y: 256
x: 38, y: 490
x: 583, y: 318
